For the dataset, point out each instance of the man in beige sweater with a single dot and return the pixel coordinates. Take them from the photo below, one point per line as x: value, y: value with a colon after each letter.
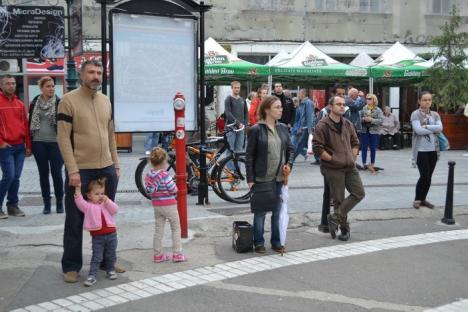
x: 86, y: 139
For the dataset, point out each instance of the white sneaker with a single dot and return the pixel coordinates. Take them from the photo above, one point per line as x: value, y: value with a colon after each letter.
x: 112, y: 275
x: 90, y: 281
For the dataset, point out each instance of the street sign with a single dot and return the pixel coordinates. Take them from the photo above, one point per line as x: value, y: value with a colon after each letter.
x: 32, y: 31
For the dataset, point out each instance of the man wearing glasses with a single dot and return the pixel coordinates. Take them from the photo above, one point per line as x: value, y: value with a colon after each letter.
x: 335, y: 140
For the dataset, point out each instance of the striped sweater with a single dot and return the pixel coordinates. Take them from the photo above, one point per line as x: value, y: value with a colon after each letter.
x: 161, y: 188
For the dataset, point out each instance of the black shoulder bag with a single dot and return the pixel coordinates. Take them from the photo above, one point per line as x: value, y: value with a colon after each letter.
x: 264, y: 195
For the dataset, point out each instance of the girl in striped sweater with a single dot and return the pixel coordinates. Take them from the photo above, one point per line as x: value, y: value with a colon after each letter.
x: 162, y: 189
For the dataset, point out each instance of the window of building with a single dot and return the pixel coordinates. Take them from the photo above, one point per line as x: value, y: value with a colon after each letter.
x: 442, y: 6
x: 326, y: 5
x: 374, y: 6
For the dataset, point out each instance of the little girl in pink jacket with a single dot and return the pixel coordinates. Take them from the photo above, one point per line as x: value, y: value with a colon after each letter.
x: 98, y: 213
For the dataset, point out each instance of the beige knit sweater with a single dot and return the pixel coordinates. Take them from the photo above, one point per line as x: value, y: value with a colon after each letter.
x: 85, y: 131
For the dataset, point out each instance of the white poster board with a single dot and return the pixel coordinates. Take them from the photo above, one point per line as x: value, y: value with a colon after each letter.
x: 153, y: 58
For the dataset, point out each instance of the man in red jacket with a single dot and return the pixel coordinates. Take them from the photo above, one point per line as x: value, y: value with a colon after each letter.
x: 15, y: 144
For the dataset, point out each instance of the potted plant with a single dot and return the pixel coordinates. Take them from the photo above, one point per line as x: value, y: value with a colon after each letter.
x: 448, y: 79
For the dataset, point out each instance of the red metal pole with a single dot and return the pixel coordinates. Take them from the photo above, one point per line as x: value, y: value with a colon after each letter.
x: 181, y: 172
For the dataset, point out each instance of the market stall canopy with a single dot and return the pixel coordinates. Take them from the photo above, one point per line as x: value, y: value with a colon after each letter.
x: 278, y: 58
x: 399, y: 65
x: 307, y: 63
x: 221, y: 66
x: 362, y: 60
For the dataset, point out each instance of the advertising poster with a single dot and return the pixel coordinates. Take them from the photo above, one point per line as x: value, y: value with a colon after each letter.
x: 32, y: 32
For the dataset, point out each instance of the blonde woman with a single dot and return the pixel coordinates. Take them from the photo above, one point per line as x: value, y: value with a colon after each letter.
x: 371, y: 120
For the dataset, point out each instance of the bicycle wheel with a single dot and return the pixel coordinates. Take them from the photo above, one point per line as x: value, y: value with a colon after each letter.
x: 232, y: 180
x: 143, y: 168
x: 214, y: 184
x: 140, y: 173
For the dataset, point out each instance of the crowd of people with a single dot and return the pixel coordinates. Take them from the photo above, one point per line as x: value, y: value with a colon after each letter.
x: 351, y: 123
x: 77, y: 132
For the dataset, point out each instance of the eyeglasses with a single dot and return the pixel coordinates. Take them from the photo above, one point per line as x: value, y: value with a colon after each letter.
x: 369, y: 98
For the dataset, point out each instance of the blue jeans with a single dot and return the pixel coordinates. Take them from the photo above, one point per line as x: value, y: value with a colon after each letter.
x: 373, y: 141
x: 72, y: 258
x: 301, y: 144
x: 47, y: 154
x: 151, y: 141
x: 236, y: 141
x: 11, y: 161
x: 259, y: 224
x: 104, y: 249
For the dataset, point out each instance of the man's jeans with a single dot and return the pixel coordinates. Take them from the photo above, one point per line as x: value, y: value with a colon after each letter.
x: 236, y: 141
x: 259, y: 224
x: 301, y: 144
x: 152, y: 140
x: 72, y: 259
x: 11, y: 161
x: 104, y: 249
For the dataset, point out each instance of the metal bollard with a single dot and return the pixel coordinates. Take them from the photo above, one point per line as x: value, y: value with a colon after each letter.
x: 448, y: 213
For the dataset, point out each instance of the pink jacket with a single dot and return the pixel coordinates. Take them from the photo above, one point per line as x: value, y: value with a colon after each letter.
x: 92, y: 213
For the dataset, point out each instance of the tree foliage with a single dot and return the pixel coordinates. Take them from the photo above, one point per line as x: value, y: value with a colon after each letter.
x: 448, y: 78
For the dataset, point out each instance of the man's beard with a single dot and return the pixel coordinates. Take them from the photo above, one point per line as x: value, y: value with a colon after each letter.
x: 91, y: 85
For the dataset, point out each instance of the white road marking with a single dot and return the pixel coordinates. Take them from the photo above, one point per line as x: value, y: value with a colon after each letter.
x: 457, y: 306
x: 172, y: 282
x: 320, y: 296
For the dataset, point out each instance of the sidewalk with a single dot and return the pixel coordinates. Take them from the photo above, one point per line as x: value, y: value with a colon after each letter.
x: 31, y: 247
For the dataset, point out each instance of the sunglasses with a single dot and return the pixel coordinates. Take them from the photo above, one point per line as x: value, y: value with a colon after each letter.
x: 369, y: 98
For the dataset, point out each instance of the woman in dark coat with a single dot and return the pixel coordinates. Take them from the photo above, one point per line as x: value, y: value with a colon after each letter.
x: 43, y: 127
x: 269, y: 156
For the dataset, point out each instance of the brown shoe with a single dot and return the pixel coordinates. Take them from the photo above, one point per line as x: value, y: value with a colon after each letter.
x: 427, y: 204
x: 119, y: 268
x: 278, y: 249
x: 15, y: 211
x: 71, y: 277
x: 417, y: 204
x: 371, y: 168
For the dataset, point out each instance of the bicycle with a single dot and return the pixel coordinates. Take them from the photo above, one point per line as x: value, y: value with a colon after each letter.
x: 226, y: 176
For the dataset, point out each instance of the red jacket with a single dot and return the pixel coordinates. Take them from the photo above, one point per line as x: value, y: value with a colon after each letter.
x: 14, y: 128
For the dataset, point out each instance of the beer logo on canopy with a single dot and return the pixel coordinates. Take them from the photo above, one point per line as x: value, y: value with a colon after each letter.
x: 253, y: 72
x: 387, y: 74
x: 313, y: 61
x: 212, y: 58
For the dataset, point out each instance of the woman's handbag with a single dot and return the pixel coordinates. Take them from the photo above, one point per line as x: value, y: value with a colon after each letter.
x: 264, y: 196
x: 444, y: 143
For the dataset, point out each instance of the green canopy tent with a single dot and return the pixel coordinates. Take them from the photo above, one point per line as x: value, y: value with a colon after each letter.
x: 308, y: 64
x: 398, y: 66
x: 221, y: 67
